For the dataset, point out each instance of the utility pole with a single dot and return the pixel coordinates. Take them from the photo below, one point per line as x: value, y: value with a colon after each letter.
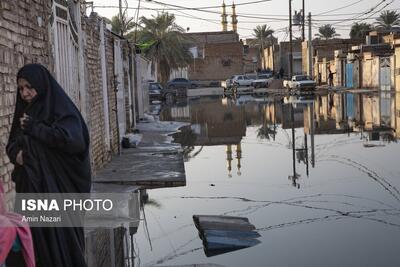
x: 290, y: 41
x: 310, y: 49
x: 121, y: 19
x: 303, y: 14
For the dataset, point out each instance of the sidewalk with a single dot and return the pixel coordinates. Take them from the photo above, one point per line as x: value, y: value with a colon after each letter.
x: 155, y: 162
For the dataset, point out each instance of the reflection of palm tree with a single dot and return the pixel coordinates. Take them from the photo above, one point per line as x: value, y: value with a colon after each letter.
x: 187, y: 138
x: 265, y: 132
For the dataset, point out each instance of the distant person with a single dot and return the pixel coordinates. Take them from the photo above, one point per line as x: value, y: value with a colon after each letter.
x: 319, y: 78
x: 281, y: 73
x: 330, y: 78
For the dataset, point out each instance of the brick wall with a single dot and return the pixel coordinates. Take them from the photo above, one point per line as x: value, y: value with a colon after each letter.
x: 94, y: 76
x: 111, y: 91
x: 221, y: 61
x: 23, y: 39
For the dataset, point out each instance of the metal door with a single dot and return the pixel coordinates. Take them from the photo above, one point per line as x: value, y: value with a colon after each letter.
x: 349, y: 75
x: 66, y: 51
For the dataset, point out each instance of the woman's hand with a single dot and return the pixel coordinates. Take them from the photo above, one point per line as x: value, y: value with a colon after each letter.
x: 26, y: 122
x: 19, y: 158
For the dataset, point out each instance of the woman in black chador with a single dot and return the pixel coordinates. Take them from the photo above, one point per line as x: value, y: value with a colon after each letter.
x: 49, y: 146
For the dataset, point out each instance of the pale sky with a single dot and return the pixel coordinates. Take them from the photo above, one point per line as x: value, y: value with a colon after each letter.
x: 274, y: 13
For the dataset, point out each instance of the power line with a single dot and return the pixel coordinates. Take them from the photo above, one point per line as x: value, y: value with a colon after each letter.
x: 208, y: 7
x: 340, y: 8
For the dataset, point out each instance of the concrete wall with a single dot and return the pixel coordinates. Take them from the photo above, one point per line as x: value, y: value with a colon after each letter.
x: 252, y: 60
x: 284, y: 57
x: 24, y: 39
x: 370, y: 72
x: 272, y: 57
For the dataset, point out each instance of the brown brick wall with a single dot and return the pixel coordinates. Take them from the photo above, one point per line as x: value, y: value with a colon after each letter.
x: 94, y: 76
x: 22, y: 41
x: 111, y: 92
x: 221, y: 62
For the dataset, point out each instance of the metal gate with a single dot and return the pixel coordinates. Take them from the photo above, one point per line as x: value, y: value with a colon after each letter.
x: 66, y: 51
x: 385, y: 74
x: 349, y: 75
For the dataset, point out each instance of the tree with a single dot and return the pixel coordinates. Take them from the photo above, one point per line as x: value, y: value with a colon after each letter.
x: 263, y: 35
x: 123, y: 26
x: 327, y: 31
x: 388, y: 19
x: 360, y: 30
x: 167, y: 44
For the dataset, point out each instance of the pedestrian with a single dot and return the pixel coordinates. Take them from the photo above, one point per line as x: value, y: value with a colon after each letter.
x: 319, y: 78
x: 49, y: 147
x: 330, y: 78
x: 281, y: 72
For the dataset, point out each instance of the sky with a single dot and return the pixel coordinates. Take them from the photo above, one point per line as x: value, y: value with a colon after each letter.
x: 340, y: 13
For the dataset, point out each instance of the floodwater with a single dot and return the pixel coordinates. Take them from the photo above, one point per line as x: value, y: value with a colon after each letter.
x: 318, y: 176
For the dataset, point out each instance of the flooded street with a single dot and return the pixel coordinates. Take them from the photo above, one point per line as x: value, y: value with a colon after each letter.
x: 318, y: 177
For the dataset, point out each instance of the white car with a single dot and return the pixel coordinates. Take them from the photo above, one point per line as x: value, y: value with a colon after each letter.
x: 238, y: 80
x: 300, y: 82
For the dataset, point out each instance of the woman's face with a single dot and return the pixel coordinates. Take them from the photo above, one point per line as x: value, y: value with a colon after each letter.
x: 26, y: 91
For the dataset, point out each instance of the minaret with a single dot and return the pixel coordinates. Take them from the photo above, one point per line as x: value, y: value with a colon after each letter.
x: 234, y: 18
x: 224, y: 16
x: 229, y: 159
x: 239, y: 157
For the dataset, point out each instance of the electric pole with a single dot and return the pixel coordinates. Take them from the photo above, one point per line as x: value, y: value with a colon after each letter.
x: 290, y: 41
x: 121, y: 19
x: 303, y: 15
x: 310, y: 49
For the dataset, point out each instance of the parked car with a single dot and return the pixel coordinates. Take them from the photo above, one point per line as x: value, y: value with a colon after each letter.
x: 300, y: 82
x: 180, y: 83
x: 263, y: 80
x: 238, y: 80
x: 155, y: 91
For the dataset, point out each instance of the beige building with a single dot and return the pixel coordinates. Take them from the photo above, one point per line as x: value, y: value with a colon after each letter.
x: 397, y: 64
x: 277, y: 57
x: 323, y: 56
x: 374, y: 63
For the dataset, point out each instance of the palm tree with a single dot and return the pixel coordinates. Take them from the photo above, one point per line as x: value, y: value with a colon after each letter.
x: 327, y: 31
x: 263, y: 35
x: 388, y: 19
x: 167, y: 44
x: 123, y: 26
x: 360, y: 30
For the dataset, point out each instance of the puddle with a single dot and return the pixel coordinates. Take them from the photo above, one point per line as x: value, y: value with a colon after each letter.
x: 317, y: 176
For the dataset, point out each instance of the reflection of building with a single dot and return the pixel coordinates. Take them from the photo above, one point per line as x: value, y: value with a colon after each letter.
x: 397, y: 115
x: 218, y: 124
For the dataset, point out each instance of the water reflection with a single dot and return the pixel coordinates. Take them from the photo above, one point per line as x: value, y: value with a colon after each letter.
x: 345, y: 143
x: 224, y: 122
